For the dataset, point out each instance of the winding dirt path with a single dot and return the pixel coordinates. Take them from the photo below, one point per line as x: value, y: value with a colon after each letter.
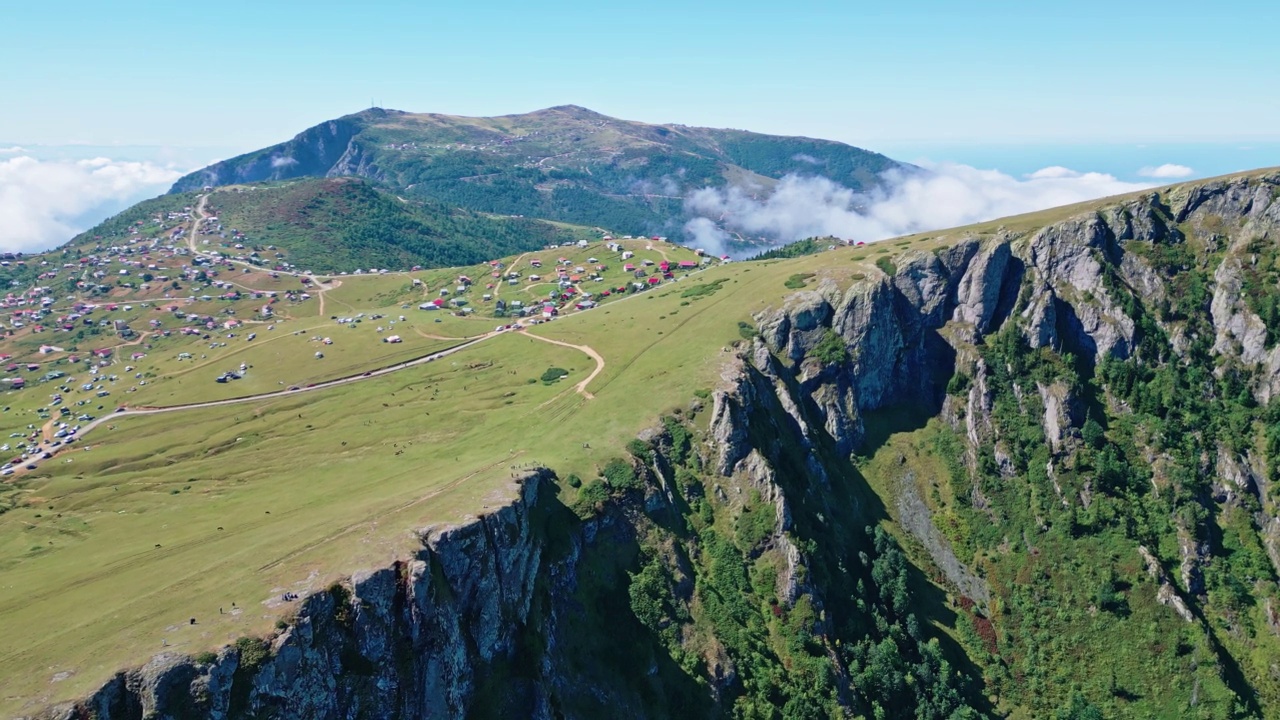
x: 199, y: 214
x: 125, y: 411
x: 196, y: 216
x: 581, y: 387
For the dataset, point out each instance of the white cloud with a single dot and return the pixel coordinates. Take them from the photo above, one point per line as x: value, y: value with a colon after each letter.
x: 277, y: 162
x: 1166, y: 171
x: 45, y: 203
x: 1053, y: 171
x: 14, y: 150
x: 938, y: 197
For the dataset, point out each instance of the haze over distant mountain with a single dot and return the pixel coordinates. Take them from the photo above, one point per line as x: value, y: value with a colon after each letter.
x: 564, y: 163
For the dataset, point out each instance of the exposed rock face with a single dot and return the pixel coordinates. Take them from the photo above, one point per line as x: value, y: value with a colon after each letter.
x: 978, y: 294
x: 918, y: 520
x: 1239, y: 332
x: 326, y: 150
x: 1065, y: 285
x: 1166, y: 594
x: 1063, y: 414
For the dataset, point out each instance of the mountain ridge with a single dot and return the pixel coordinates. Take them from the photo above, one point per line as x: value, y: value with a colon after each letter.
x: 565, y: 163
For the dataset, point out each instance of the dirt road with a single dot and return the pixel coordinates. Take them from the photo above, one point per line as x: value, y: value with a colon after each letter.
x: 581, y: 387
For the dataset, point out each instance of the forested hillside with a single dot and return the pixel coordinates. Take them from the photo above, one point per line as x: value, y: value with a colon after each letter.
x: 335, y: 224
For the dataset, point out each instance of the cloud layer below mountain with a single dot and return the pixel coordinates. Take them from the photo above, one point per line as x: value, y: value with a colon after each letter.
x: 43, y: 203
x: 1167, y: 171
x: 940, y: 196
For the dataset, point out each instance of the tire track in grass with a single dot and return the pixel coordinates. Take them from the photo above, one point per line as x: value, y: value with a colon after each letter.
x: 382, y: 513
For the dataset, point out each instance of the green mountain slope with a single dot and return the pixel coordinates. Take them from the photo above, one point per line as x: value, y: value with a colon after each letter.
x: 346, y: 223
x: 1023, y: 469
x: 564, y: 163
x: 336, y: 224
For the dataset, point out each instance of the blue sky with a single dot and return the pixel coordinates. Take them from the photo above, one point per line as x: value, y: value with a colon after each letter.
x: 245, y: 74
x: 106, y: 103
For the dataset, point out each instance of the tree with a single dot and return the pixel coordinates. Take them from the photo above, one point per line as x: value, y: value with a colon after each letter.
x: 1078, y: 709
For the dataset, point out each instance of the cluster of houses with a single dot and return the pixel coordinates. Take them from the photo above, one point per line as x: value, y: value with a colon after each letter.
x: 567, y: 279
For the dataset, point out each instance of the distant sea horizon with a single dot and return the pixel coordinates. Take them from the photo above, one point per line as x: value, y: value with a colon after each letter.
x: 1125, y: 161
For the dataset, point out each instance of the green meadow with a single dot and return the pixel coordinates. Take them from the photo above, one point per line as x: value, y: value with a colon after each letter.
x: 110, y: 549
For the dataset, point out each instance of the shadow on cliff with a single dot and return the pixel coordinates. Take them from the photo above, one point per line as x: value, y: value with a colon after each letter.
x: 582, y: 651
x: 834, y: 508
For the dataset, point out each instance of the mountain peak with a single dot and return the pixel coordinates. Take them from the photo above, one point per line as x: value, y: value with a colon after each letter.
x: 565, y: 163
x: 575, y: 111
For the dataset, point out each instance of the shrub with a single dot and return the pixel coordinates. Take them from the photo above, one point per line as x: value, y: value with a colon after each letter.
x: 959, y: 384
x: 574, y: 481
x: 639, y: 449
x: 747, y: 330
x: 619, y: 474
x: 797, y: 281
x: 590, y: 498
x: 206, y: 658
x: 887, y: 266
x: 253, y: 653
x: 704, y: 289
x: 831, y: 349
x: 553, y: 374
x: 1092, y: 434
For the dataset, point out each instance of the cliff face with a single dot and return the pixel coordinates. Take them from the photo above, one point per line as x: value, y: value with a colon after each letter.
x: 405, y: 641
x: 734, y: 573
x: 326, y: 150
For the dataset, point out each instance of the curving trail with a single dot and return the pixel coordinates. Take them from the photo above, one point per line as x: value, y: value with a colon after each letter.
x: 199, y: 214
x: 126, y: 411
x: 581, y: 387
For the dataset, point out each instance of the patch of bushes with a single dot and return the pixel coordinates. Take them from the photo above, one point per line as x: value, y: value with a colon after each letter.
x: 640, y: 449
x: 756, y: 523
x: 798, y: 281
x: 592, y: 495
x: 747, y: 330
x: 886, y: 265
x: 680, y: 439
x: 831, y: 349
x: 959, y: 384
x: 254, y: 652
x: 553, y: 374
x: 619, y: 474
x: 704, y: 289
x: 799, y: 248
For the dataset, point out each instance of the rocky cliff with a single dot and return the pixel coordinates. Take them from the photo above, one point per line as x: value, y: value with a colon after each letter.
x: 1070, y: 432
x: 326, y: 150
